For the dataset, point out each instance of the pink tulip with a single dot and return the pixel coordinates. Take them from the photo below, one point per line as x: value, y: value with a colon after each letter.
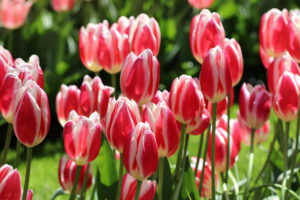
x: 294, y: 34
x: 140, y: 76
x: 200, y: 4
x: 6, y: 61
x: 265, y: 58
x: 67, y: 173
x: 273, y: 32
x: 121, y: 118
x: 123, y: 24
x: 278, y: 67
x: 63, y: 5
x: 82, y: 137
x: 32, y: 115
x: 163, y: 123
x: 94, y: 96
x: 206, y: 32
x: 186, y: 99
x: 129, y: 183
x: 6, y: 56
x: 198, y: 126
x: 215, y: 78
x: 286, y: 99
x: 161, y: 96
x: 10, y: 183
x: 66, y: 101
x: 255, y: 105
x: 13, y: 13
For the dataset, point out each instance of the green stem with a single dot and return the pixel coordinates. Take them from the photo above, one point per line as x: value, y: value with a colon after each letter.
x: 250, y: 166
x: 86, y: 175
x: 160, y: 178
x: 27, y: 176
x: 179, y: 156
x: 114, y: 83
x: 18, y: 149
x: 228, y: 139
x: 73, y: 192
x: 57, y: 193
x: 10, y: 40
x: 121, y: 169
x: 285, y: 156
x: 6, y: 144
x: 213, y: 184
x: 138, y: 190
x: 199, y: 152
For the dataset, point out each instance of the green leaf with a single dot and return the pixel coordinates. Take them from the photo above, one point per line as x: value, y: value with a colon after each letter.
x: 61, y: 68
x: 168, y: 180
x: 227, y: 9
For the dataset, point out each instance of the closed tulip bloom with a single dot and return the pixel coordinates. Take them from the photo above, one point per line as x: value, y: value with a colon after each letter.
x: 10, y: 183
x: 6, y: 55
x: 89, y: 45
x: 294, y: 34
x: 265, y: 58
x: 140, y: 76
x: 121, y: 118
x: 161, y: 96
x: 286, y: 99
x: 141, y: 152
x: 63, y: 5
x: 13, y: 13
x: 29, y: 195
x: 67, y: 173
x: 32, y: 115
x: 67, y: 99
x: 94, y: 96
x: 273, y: 32
x: 278, y: 67
x: 123, y: 24
x: 206, y: 32
x: 6, y: 61
x: 144, y: 34
x: 163, y: 123
x: 235, y: 60
x: 200, y: 4
x: 186, y: 99
x: 215, y: 78
x: 148, y: 189
x: 198, y: 126
x: 82, y: 137
x: 254, y: 105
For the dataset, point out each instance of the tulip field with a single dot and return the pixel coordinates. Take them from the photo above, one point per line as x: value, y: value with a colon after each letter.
x: 144, y: 100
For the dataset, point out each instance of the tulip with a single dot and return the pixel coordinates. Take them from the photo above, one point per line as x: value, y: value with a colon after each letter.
x: 198, y: 126
x: 286, y: 99
x: 10, y: 183
x: 6, y: 62
x: 63, y: 5
x: 129, y: 184
x: 255, y: 105
x: 31, y: 120
x: 186, y: 99
x: 140, y: 152
x: 273, y: 32
x: 66, y: 101
x: 6, y: 56
x: 140, y: 76
x: 215, y: 78
x: 121, y: 118
x: 265, y: 58
x: 94, y: 96
x: 123, y: 24
x: 294, y: 34
x: 13, y: 13
x: 89, y: 45
x: 234, y: 58
x: 82, y: 137
x: 161, y: 96
x: 200, y: 4
x: 67, y: 172
x: 206, y: 32
x: 163, y: 123
x: 144, y: 34
x: 278, y: 67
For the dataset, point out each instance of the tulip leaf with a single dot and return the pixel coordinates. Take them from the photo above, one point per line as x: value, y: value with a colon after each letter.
x: 167, y: 186
x: 57, y: 193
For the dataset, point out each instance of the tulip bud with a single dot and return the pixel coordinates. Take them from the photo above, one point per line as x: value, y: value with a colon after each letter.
x: 215, y: 78
x: 66, y: 101
x: 6, y: 56
x: 186, y: 99
x: 278, y: 67
x: 161, y: 96
x: 29, y: 195
x: 6, y: 62
x: 140, y: 76
x: 200, y: 4
x: 121, y: 118
x: 32, y: 115
x: 286, y: 99
x: 67, y: 173
x: 206, y: 32
x: 10, y: 183
x: 294, y: 34
x: 82, y: 137
x: 63, y: 5
x: 254, y: 105
x: 198, y: 126
x: 123, y: 25
x: 13, y: 13
x: 144, y: 34
x: 94, y: 96
x: 140, y: 152
x: 273, y: 32
x: 148, y: 189
x: 163, y: 123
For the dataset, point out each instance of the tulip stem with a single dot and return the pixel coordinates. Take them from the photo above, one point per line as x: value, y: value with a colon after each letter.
x: 86, y: 175
x: 121, y: 169
x: 213, y: 151
x: 6, y: 144
x: 160, y: 178
x: 138, y: 189
x: 199, y: 152
x: 73, y: 192
x: 250, y: 166
x: 228, y: 139
x: 27, y: 176
x: 179, y: 156
x: 18, y: 149
x: 285, y: 158
x: 114, y: 83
